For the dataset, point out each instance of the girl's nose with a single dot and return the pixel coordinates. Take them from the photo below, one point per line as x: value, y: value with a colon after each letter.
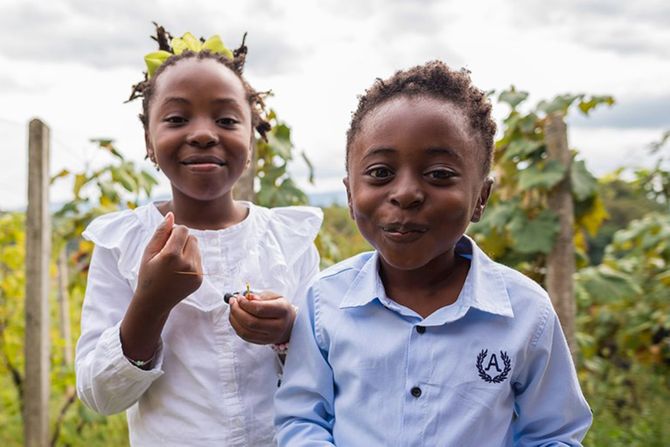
x: 203, y: 136
x: 407, y: 192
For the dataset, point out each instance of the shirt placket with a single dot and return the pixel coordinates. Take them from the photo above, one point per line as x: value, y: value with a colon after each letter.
x: 419, y: 394
x: 231, y: 406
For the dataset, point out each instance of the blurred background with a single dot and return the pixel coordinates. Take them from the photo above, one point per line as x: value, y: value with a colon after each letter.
x: 603, y: 67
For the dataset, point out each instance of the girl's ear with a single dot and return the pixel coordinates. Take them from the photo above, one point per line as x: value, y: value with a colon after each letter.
x: 483, y: 198
x: 149, y: 147
x: 250, y: 155
x: 345, y: 180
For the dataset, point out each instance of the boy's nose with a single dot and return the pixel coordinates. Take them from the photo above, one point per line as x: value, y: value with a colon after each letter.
x: 407, y: 193
x: 203, y: 137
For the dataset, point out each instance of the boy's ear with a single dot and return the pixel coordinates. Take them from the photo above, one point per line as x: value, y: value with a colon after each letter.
x: 345, y: 180
x: 483, y: 198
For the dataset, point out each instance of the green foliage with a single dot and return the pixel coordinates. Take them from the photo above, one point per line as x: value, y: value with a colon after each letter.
x: 654, y: 183
x: 517, y: 229
x: 12, y: 288
x: 624, y: 335
x: 274, y: 185
x: 339, y: 238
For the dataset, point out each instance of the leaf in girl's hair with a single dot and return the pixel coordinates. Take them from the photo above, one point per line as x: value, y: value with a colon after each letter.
x: 215, y: 45
x: 154, y: 60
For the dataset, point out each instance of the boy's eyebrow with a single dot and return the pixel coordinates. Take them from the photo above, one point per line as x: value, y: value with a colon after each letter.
x: 444, y: 151
x: 378, y: 150
x: 439, y: 150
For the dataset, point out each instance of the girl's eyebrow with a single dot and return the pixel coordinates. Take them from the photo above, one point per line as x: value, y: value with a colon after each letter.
x: 181, y: 100
x: 177, y: 99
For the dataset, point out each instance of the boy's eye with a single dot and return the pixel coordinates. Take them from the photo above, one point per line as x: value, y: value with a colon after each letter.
x: 379, y: 172
x: 440, y: 174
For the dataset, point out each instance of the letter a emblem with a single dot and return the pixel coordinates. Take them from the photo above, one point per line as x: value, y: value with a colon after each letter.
x: 493, y: 361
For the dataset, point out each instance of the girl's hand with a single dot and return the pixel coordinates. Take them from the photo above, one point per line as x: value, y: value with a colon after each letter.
x: 265, y: 318
x: 170, y: 250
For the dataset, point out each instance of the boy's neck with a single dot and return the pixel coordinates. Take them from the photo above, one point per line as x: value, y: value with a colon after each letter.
x: 429, y: 288
x: 217, y: 214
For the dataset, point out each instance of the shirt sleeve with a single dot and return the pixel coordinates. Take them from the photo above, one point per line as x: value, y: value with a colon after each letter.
x: 304, y: 411
x: 551, y: 410
x: 106, y: 381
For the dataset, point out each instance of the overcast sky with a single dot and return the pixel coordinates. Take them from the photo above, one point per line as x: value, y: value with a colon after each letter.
x: 72, y: 63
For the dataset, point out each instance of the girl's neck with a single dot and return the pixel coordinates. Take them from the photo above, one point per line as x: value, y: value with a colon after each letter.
x: 215, y: 214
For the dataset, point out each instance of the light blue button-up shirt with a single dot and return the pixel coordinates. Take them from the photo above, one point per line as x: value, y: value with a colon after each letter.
x: 492, y: 369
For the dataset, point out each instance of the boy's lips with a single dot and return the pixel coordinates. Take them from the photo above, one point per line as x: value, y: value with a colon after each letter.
x: 404, y: 232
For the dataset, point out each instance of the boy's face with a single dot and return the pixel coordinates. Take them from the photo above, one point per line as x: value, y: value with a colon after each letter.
x: 415, y: 180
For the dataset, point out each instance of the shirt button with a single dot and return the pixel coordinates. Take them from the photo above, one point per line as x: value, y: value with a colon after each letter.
x: 421, y: 329
x: 416, y: 391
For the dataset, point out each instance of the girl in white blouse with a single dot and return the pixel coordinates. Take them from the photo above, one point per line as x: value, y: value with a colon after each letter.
x: 157, y: 338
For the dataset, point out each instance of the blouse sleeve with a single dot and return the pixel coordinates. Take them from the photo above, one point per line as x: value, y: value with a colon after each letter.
x: 106, y: 381
x: 296, y: 228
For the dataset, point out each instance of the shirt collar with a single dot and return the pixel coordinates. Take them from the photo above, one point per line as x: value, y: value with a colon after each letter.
x: 484, y: 287
x: 366, y: 286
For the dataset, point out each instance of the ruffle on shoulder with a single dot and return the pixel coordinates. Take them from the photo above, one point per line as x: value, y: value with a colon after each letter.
x: 295, y: 228
x: 126, y: 234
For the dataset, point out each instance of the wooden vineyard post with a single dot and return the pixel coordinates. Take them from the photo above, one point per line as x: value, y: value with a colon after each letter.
x: 561, y: 260
x: 38, y: 250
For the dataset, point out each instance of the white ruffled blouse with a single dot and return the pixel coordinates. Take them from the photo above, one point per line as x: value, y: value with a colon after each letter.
x: 207, y: 386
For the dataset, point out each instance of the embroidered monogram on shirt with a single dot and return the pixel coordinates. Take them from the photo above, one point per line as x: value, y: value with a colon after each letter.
x: 493, y: 366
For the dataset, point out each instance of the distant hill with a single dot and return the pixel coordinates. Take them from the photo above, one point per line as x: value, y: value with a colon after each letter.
x: 325, y: 199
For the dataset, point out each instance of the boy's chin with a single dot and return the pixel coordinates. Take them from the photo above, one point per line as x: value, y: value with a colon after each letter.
x: 400, y: 261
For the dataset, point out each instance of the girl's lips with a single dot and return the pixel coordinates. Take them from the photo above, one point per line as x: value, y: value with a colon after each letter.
x: 203, y: 167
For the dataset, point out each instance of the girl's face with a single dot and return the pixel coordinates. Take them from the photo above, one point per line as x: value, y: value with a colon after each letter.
x: 199, y: 129
x: 415, y: 180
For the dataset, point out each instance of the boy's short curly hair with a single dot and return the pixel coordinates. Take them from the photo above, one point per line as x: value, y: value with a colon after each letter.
x: 433, y: 79
x: 146, y: 88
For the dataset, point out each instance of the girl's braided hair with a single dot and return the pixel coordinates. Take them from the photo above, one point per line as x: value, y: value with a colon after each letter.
x: 146, y: 88
x: 433, y: 79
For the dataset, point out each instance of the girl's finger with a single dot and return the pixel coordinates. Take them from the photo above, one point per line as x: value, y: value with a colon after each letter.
x: 160, y: 236
x: 274, y: 308
x: 191, y: 249
x: 177, y: 240
x: 248, y: 328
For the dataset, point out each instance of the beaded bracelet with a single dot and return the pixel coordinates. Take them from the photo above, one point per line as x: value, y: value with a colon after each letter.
x: 141, y: 363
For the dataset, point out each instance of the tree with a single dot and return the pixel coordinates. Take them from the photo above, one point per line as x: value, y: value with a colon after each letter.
x: 520, y: 228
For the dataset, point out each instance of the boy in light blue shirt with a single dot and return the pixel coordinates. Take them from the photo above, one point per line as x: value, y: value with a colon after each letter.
x: 426, y: 341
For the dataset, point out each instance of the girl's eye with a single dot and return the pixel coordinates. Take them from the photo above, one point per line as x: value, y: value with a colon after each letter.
x: 379, y: 173
x: 440, y: 174
x: 227, y: 122
x: 175, y: 119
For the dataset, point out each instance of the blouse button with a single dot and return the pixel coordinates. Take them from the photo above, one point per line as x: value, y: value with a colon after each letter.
x: 416, y: 391
x: 421, y: 329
